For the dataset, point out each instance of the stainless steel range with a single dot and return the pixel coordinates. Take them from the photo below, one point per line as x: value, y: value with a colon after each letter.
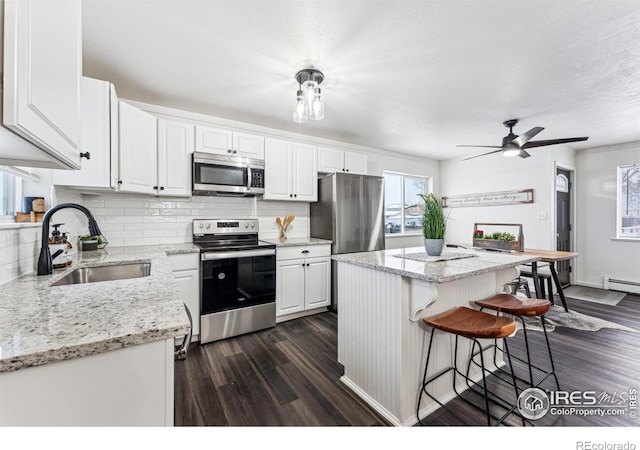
x: 237, y: 278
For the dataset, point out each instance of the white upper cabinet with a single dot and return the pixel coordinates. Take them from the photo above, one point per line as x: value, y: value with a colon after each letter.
x: 334, y: 160
x: 175, y: 145
x: 290, y: 171
x: 225, y: 142
x: 138, y: 150
x: 42, y: 75
x: 99, y: 139
x: 154, y: 153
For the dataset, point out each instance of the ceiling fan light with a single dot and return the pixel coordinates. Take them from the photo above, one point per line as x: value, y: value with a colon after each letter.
x: 511, y: 150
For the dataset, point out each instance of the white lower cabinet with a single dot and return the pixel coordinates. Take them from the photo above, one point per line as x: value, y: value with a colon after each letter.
x: 132, y: 386
x: 303, y: 280
x: 186, y: 273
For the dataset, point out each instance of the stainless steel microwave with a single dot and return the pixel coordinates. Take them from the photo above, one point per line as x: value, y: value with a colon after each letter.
x: 227, y: 175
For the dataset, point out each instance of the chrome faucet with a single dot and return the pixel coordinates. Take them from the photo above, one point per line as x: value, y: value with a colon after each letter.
x: 45, y: 264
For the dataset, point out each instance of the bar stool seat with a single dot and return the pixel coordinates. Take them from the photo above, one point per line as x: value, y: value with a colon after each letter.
x: 474, y: 325
x: 519, y: 308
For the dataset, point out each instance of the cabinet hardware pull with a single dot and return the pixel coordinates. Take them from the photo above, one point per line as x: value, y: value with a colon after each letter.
x: 235, y: 151
x: 85, y: 155
x: 229, y: 150
x: 155, y: 188
x: 119, y: 181
x: 305, y: 251
x: 162, y: 188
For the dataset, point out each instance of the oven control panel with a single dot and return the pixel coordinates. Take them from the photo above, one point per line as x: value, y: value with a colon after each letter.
x: 224, y: 226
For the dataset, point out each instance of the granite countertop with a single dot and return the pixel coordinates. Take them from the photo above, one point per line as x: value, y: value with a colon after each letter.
x: 291, y: 242
x: 40, y: 324
x: 396, y: 261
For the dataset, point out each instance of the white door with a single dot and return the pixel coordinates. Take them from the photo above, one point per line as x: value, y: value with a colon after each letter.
x: 278, y: 170
x: 305, y: 173
x: 42, y: 75
x: 175, y: 145
x: 290, y: 286
x: 317, y: 283
x: 138, y: 150
x: 248, y: 145
x: 213, y: 140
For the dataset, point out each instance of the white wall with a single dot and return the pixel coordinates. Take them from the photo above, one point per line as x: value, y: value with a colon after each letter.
x: 600, y: 255
x: 493, y: 173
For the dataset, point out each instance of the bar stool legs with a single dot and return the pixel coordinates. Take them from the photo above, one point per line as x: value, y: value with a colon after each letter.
x: 473, y: 325
x: 520, y: 309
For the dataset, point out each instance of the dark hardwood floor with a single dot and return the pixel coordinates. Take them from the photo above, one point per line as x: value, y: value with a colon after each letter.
x: 289, y: 375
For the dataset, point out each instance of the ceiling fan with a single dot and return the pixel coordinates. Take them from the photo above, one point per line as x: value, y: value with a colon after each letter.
x: 514, y: 145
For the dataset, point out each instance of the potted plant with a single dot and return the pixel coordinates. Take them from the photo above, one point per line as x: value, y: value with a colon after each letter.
x: 434, y: 225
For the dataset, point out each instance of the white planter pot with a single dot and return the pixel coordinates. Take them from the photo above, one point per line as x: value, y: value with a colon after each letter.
x: 434, y: 246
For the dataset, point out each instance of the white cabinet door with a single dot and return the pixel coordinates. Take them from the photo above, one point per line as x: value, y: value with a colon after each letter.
x: 333, y: 160
x: 330, y: 160
x: 248, y: 145
x: 305, y: 173
x: 96, y: 139
x: 175, y: 144
x: 355, y: 163
x: 188, y: 282
x: 225, y: 142
x: 290, y: 287
x: 317, y: 283
x: 42, y: 75
x: 213, y: 140
x: 278, y: 170
x: 138, y: 150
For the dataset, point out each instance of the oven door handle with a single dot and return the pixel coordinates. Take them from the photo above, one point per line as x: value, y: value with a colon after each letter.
x: 209, y: 256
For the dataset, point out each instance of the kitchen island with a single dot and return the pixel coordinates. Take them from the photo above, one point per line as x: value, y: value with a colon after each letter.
x: 381, y: 339
x: 97, y: 353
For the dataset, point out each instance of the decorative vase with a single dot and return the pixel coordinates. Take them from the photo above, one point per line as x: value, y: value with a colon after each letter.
x: 434, y: 246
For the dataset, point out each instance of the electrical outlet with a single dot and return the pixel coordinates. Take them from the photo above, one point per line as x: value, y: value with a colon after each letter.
x: 542, y: 216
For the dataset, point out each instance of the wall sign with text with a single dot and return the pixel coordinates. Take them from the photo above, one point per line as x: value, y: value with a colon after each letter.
x: 489, y: 199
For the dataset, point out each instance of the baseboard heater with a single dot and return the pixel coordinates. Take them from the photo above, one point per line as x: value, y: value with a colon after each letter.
x: 612, y: 284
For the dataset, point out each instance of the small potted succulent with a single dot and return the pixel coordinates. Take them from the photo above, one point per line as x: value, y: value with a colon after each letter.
x: 434, y: 224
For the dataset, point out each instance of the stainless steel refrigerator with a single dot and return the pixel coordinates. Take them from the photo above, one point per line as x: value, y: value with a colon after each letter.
x: 350, y: 212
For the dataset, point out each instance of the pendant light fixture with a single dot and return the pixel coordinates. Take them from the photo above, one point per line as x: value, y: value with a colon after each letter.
x: 309, y: 99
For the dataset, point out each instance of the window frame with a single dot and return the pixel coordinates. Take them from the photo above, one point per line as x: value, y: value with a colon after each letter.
x: 619, y: 234
x: 17, y: 195
x: 429, y: 189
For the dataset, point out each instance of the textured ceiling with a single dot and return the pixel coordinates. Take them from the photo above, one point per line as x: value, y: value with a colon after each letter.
x: 410, y: 76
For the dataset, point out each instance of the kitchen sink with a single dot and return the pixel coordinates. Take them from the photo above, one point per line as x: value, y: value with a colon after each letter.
x: 105, y: 273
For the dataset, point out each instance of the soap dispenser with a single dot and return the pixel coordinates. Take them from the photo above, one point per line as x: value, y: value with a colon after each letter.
x: 58, y: 248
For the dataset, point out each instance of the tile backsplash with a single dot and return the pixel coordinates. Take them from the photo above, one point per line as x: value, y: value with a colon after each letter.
x: 20, y: 250
x: 131, y: 219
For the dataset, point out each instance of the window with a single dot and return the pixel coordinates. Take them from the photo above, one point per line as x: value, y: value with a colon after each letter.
x: 629, y: 201
x: 402, y: 204
x: 9, y: 190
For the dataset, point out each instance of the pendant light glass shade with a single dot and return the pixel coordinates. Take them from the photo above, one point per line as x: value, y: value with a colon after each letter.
x: 300, y: 110
x: 309, y: 99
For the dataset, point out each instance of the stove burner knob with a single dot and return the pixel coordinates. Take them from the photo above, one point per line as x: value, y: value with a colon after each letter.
x: 208, y: 226
x: 253, y: 225
x: 246, y: 225
x: 201, y: 226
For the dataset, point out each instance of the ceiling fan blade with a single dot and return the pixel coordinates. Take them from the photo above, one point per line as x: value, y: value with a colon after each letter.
x: 526, y: 137
x: 495, y: 151
x: 533, y: 144
x: 480, y: 146
x: 523, y: 154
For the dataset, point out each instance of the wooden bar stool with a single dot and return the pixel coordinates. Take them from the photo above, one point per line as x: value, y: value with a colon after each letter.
x: 520, y: 308
x: 474, y: 325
